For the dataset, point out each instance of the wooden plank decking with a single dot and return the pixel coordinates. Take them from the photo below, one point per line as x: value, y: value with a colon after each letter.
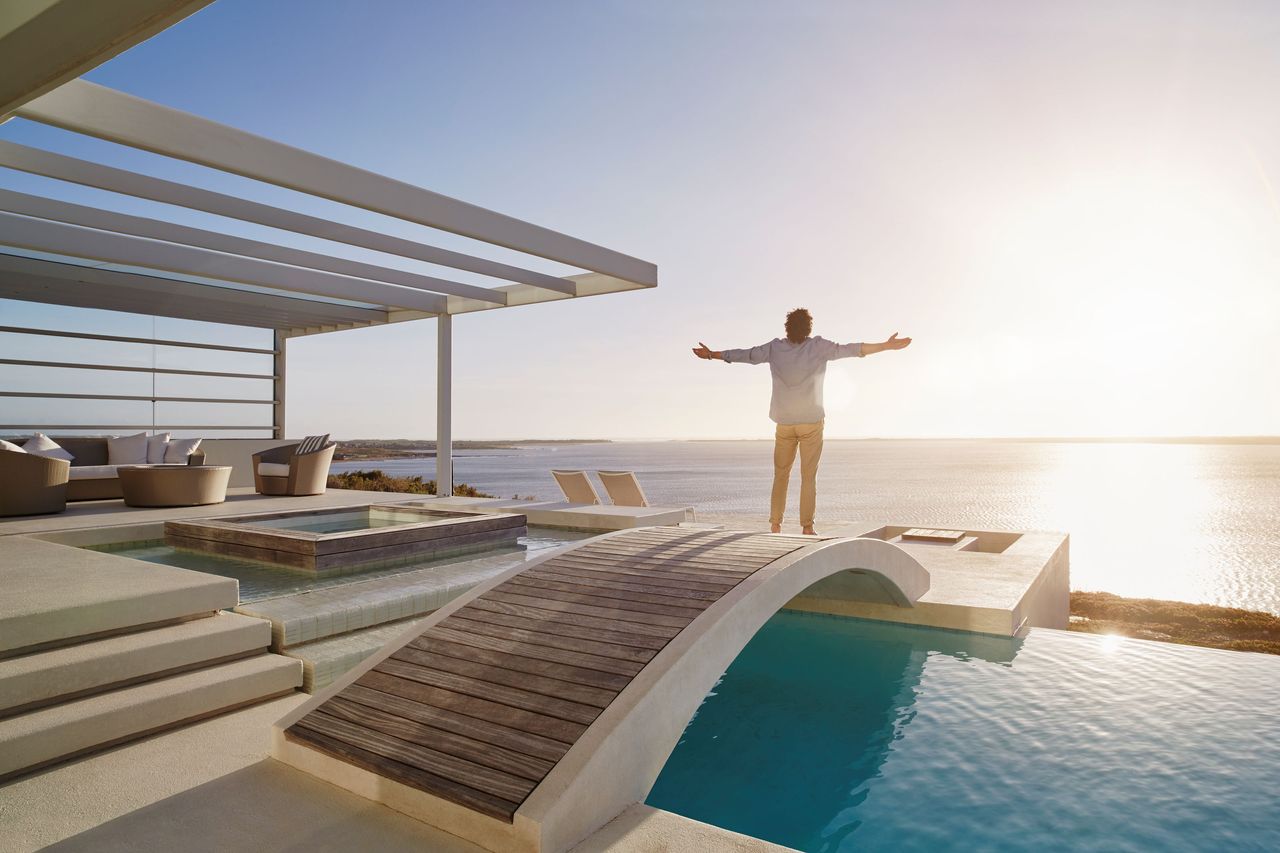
x: 480, y: 707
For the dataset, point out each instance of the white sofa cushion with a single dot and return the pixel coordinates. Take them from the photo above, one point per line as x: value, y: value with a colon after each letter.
x: 42, y: 445
x: 93, y: 472
x: 273, y: 469
x: 179, y: 449
x: 128, y: 450
x: 156, y: 445
x: 9, y: 445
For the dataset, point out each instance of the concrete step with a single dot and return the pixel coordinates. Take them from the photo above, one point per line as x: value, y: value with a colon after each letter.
x: 310, y: 616
x: 57, y: 595
x: 36, y: 738
x: 78, y: 670
x: 325, y: 660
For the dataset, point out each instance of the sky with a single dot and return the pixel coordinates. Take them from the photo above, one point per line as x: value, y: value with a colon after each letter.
x: 1071, y: 208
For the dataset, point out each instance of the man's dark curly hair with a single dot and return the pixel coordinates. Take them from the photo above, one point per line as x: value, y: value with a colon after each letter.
x: 799, y: 325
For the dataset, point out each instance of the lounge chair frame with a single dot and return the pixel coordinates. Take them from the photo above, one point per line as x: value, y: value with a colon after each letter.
x: 308, y: 472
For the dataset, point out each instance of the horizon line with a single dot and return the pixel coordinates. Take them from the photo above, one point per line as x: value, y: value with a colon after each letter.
x: 1136, y: 439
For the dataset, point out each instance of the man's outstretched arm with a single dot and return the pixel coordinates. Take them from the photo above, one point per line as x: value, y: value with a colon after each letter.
x: 894, y: 342
x: 755, y: 355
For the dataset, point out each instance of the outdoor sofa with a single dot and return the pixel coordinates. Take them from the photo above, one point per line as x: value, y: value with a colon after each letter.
x: 91, y: 477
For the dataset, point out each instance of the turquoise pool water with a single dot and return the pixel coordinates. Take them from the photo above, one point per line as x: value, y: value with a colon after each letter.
x: 831, y: 734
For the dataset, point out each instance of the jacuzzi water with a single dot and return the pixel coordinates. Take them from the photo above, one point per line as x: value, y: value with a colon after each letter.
x: 346, y: 520
x: 260, y: 580
x: 831, y: 734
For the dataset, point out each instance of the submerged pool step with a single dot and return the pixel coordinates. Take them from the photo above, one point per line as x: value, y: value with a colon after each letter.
x: 327, y: 659
x: 37, y: 738
x: 328, y: 612
x: 69, y: 672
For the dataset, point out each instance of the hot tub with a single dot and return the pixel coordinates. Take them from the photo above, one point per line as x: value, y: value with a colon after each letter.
x: 336, y: 538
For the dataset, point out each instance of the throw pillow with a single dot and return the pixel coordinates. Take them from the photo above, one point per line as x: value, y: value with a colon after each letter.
x: 156, y: 447
x: 9, y: 445
x: 179, y: 449
x: 311, y: 444
x: 42, y: 445
x: 127, y: 450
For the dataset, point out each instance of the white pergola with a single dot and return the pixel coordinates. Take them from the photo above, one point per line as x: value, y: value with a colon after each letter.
x: 57, y: 252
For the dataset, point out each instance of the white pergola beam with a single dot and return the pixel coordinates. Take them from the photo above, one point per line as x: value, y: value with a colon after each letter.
x: 88, y: 108
x: 44, y: 43
x: 44, y: 236
x: 138, y: 226
x: 55, y: 283
x: 61, y: 167
x: 588, y: 284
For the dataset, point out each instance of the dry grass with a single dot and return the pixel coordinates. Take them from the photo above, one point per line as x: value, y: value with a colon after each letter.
x: 1176, y: 622
x: 379, y: 481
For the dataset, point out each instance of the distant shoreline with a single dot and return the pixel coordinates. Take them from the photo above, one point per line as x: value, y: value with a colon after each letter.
x: 391, y: 449
x: 428, y: 446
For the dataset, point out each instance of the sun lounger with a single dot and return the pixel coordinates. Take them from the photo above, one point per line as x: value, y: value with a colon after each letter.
x: 576, y: 487
x: 623, y: 488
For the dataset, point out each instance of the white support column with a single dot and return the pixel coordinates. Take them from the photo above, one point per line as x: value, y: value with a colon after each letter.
x: 444, y: 405
x: 277, y: 385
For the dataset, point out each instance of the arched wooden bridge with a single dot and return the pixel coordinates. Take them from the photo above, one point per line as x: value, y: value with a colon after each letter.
x: 532, y: 710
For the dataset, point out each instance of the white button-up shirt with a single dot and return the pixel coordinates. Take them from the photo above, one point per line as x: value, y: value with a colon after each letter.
x: 798, y: 371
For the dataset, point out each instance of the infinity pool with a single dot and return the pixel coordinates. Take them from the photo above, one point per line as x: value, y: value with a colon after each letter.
x: 831, y: 734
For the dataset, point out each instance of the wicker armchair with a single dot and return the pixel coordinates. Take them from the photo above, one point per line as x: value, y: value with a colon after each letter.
x: 32, y: 485
x: 307, y: 472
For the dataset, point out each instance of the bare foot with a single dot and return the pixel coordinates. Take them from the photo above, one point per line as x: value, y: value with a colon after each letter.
x: 809, y: 531
x: 775, y: 528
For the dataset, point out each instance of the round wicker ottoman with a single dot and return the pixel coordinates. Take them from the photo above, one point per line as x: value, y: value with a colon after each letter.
x: 174, y: 485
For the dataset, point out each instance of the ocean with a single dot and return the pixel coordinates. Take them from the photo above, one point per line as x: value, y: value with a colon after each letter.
x: 1189, y: 522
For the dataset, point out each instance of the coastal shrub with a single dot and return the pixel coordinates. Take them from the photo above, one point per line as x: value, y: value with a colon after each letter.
x: 380, y: 481
x: 1176, y: 622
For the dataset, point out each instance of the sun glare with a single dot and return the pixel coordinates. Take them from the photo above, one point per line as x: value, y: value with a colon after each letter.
x: 1118, y: 274
x: 1111, y: 643
x: 1129, y: 239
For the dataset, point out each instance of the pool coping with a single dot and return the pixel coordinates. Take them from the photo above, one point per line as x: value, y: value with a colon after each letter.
x: 322, y: 552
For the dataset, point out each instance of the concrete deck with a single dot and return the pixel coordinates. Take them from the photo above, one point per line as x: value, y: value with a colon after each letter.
x: 175, y: 791
x: 1024, y: 586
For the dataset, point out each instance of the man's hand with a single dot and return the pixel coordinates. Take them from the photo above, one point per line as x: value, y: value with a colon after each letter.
x: 705, y: 352
x: 894, y: 342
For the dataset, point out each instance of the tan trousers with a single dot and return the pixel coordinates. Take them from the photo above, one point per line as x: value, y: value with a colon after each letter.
x: 808, y: 438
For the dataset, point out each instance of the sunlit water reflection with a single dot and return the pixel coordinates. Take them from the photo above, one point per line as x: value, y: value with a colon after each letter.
x: 1194, y: 522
